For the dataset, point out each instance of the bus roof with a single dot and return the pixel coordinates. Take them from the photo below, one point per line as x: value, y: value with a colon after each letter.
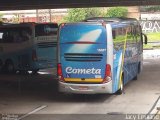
x: 110, y: 19
x: 23, y: 24
x: 114, y: 21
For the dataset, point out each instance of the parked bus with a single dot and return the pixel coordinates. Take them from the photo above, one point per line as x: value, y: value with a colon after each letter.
x: 99, y: 57
x: 28, y: 46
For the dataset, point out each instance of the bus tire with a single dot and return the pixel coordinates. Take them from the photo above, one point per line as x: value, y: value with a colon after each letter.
x: 121, y: 89
x: 135, y: 78
x: 1, y: 66
x: 139, y: 68
x: 23, y: 72
x: 9, y: 66
x: 35, y: 71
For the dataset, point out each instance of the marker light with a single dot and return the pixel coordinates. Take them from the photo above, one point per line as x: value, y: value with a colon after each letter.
x: 34, y: 55
x: 63, y: 24
x: 59, y: 72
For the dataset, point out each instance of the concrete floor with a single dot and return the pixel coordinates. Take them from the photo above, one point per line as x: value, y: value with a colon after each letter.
x: 37, y: 97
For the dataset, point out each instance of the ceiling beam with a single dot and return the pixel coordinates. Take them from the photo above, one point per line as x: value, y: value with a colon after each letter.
x: 51, y: 4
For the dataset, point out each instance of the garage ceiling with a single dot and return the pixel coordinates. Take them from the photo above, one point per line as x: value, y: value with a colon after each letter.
x: 37, y: 4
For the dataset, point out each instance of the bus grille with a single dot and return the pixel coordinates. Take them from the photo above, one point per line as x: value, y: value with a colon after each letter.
x: 82, y: 57
x: 47, y: 44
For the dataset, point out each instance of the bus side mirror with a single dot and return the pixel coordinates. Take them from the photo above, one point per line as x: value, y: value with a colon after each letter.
x: 114, y: 34
x: 144, y: 36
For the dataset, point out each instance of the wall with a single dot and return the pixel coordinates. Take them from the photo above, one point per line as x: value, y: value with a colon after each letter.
x: 150, y: 25
x: 133, y: 12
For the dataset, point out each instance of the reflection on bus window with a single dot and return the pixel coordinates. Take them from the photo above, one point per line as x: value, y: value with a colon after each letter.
x: 14, y: 35
x: 46, y: 30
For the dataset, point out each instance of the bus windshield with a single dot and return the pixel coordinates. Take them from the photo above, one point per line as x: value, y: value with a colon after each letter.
x: 82, y: 33
x: 46, y: 30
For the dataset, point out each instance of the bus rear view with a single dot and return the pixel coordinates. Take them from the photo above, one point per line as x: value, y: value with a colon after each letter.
x: 83, y: 66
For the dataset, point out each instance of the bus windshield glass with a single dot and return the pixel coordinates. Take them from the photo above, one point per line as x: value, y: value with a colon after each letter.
x: 46, y: 30
x: 82, y: 33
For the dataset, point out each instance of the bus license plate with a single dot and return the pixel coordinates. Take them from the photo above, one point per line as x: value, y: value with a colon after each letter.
x: 83, y: 87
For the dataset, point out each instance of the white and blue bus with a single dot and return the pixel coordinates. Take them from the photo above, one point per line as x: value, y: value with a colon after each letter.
x: 28, y: 46
x: 99, y: 57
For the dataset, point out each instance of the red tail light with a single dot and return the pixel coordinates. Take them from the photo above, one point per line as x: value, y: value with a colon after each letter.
x: 59, y: 69
x: 59, y: 72
x: 108, y: 70
x: 63, y: 24
x: 108, y: 74
x: 34, y: 55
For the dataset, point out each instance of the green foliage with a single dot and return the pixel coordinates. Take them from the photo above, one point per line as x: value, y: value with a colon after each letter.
x: 147, y: 46
x: 79, y: 14
x: 93, y: 12
x: 153, y: 36
x: 1, y: 15
x: 117, y: 12
x: 75, y: 14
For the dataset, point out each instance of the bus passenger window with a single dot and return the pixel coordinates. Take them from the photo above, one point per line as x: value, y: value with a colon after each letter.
x: 25, y: 36
x: 17, y: 37
x: 8, y: 37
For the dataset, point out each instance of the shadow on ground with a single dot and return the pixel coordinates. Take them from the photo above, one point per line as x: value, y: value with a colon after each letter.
x: 40, y: 87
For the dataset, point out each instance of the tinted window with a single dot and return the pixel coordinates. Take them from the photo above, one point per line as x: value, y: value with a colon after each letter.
x: 46, y: 29
x: 83, y: 33
x: 15, y: 34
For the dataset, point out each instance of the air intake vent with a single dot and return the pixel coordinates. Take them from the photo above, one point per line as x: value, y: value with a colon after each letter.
x: 82, y: 57
x: 47, y: 44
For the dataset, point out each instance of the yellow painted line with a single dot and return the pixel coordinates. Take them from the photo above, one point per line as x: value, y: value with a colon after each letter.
x: 96, y: 80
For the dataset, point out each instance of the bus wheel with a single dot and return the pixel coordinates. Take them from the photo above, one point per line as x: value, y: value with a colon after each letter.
x: 35, y: 71
x: 1, y: 65
x: 120, y: 91
x: 135, y: 78
x: 9, y: 66
x: 139, y: 68
x: 23, y: 72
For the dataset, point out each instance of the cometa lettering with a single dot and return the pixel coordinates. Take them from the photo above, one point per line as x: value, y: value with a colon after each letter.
x: 71, y: 70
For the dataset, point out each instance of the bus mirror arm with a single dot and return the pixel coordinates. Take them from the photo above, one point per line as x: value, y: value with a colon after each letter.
x: 144, y: 36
